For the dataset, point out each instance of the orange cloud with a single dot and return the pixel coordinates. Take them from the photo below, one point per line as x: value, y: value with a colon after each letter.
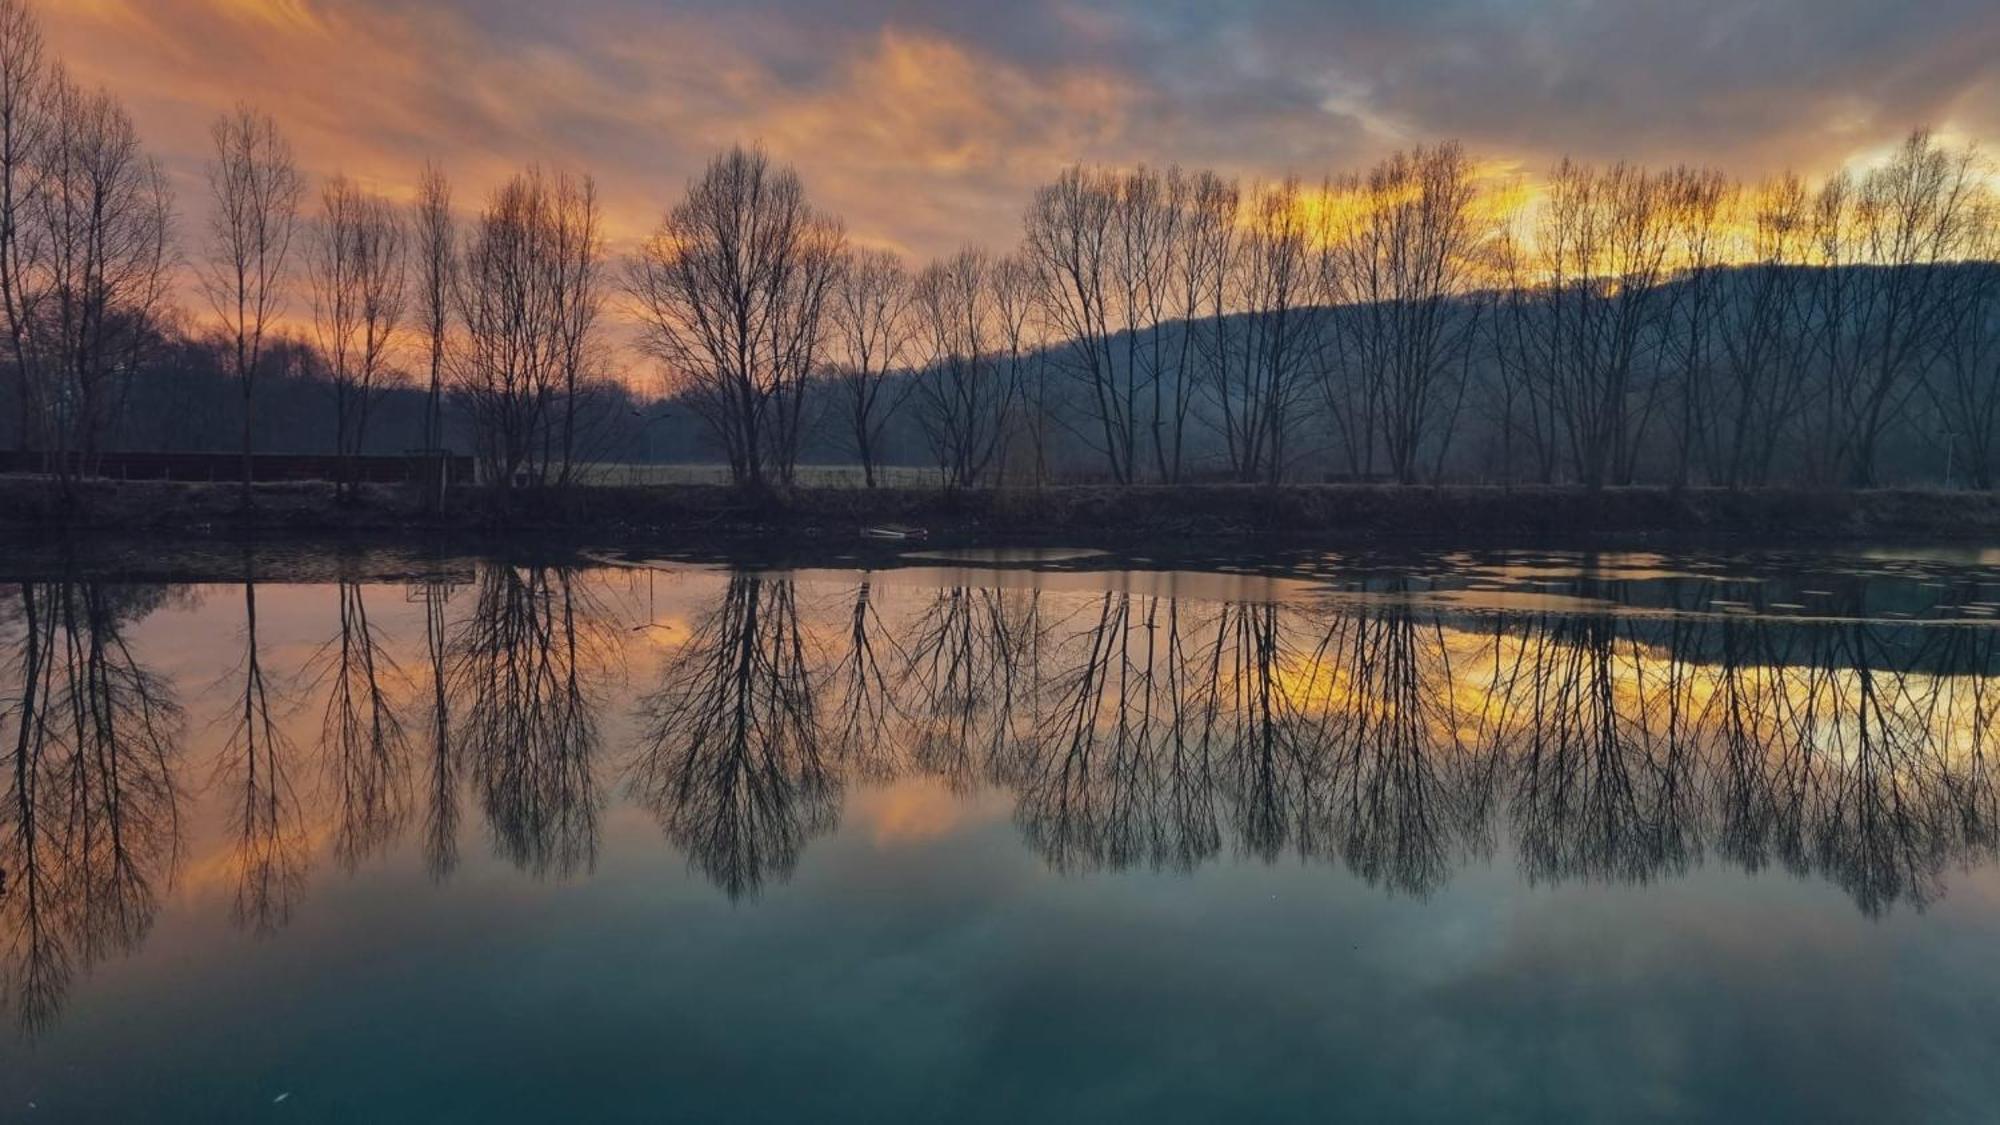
x: 916, y: 810
x: 920, y: 143
x: 925, y: 129
x: 925, y: 144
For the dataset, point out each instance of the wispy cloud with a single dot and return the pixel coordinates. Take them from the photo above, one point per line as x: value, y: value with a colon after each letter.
x: 925, y: 126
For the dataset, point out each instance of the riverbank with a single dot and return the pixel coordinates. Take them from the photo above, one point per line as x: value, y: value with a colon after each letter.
x: 1070, y: 514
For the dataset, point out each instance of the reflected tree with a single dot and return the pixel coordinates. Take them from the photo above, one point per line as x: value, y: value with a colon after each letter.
x: 363, y: 745
x: 90, y: 828
x: 530, y: 660
x: 733, y: 762
x: 1396, y: 771
x: 868, y: 708
x: 441, y: 803
x: 1583, y: 788
x: 1120, y: 767
x: 272, y: 852
x: 968, y: 681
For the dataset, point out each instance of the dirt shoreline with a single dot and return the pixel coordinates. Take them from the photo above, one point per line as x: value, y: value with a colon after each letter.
x: 1070, y: 515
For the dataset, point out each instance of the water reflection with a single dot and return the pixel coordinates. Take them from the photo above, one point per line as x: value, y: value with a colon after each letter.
x: 1390, y: 735
x: 363, y: 745
x: 272, y: 852
x: 1139, y: 730
x: 92, y: 815
x: 441, y: 789
x: 733, y: 761
x: 527, y: 669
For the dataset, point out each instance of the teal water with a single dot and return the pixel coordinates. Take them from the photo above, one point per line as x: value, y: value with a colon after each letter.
x: 382, y: 836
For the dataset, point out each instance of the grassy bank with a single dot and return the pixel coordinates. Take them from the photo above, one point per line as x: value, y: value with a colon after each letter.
x: 1066, y: 514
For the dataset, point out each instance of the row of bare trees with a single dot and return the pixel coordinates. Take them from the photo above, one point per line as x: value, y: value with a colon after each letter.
x: 1763, y: 332
x: 1426, y: 319
x: 1138, y: 305
x: 1620, y: 323
x: 505, y: 314
x: 85, y: 248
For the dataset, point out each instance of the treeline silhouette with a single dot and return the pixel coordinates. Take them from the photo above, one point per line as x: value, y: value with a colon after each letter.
x: 1427, y: 319
x: 1131, y: 730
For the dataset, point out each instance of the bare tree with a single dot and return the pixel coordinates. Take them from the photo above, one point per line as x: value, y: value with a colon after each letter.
x: 1021, y: 356
x: 271, y: 854
x: 734, y: 761
x: 358, y: 275
x: 871, y: 322
x: 530, y: 661
x: 1589, y: 315
x: 1701, y: 203
x: 436, y: 253
x: 1877, y: 308
x: 578, y: 246
x: 1965, y: 384
x: 1517, y: 387
x: 90, y: 798
x: 24, y: 81
x: 84, y: 250
x: 1069, y: 237
x: 1257, y: 381
x: 1747, y: 412
x: 1403, y: 256
x: 256, y: 190
x: 731, y: 292
x: 364, y: 745
x: 1198, y: 278
x: 528, y: 300
x: 105, y: 217
x: 1118, y: 258
x: 965, y: 387
x: 441, y: 806
x: 1148, y: 216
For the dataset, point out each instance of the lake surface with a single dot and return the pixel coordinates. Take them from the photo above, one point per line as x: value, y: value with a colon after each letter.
x: 313, y: 835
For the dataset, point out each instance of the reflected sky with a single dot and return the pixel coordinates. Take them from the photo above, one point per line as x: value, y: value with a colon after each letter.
x: 987, y: 838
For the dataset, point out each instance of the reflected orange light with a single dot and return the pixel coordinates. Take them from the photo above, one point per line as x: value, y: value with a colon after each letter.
x: 909, y: 811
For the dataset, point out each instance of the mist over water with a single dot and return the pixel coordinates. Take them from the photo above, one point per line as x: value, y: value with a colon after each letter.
x: 999, y: 835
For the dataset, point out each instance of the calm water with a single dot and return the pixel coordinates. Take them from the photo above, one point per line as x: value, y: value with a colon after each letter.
x: 305, y: 836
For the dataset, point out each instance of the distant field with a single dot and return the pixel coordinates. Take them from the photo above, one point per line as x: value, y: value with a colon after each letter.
x: 809, y: 476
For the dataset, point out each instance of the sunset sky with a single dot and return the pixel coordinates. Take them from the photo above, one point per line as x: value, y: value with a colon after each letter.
x: 926, y: 126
